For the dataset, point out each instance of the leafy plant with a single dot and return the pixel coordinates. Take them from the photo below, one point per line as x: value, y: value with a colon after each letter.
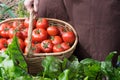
x: 15, y: 53
x: 52, y: 67
x: 12, y: 63
x: 6, y: 10
x: 21, y: 11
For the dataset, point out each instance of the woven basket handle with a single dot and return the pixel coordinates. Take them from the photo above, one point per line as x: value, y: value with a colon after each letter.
x: 29, y: 46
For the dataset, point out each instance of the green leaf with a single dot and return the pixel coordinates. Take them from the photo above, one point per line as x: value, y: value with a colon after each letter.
x: 110, y: 56
x: 16, y: 54
x: 40, y: 78
x: 7, y: 67
x: 65, y: 63
x: 92, y: 69
x: 23, y: 77
x: 86, y: 78
x: 118, y: 59
x: 9, y: 70
x: 74, y: 68
x: 64, y: 75
x: 106, y: 67
x: 2, y: 57
x: 52, y: 66
x: 8, y: 10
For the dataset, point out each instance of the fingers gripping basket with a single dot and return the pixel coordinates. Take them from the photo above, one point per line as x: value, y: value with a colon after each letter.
x: 34, y: 62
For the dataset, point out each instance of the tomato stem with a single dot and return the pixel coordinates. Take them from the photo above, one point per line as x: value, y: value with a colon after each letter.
x: 45, y: 45
x: 6, y: 29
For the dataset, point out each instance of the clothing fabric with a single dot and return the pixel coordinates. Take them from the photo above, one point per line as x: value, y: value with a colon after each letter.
x: 97, y: 23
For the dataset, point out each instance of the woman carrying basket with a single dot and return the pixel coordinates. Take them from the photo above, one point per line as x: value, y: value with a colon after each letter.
x: 97, y: 23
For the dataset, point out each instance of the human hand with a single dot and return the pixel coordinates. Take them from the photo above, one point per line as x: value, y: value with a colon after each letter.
x: 32, y: 5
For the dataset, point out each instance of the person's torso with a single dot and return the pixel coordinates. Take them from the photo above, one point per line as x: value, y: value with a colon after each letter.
x: 97, y: 23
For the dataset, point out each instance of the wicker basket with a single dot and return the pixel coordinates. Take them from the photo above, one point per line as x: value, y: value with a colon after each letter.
x: 34, y: 62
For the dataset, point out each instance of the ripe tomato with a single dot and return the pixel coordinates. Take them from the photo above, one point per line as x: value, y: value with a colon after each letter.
x: 3, y: 49
x: 52, y: 30
x: 65, y: 45
x: 21, y: 43
x: 56, y: 39
x: 26, y: 22
x: 16, y: 32
x: 26, y: 42
x: 35, y: 48
x: 4, y: 30
x: 18, y: 24
x: 42, y: 23
x: 39, y: 35
x: 46, y: 46
x: 69, y: 37
x: 61, y: 30
x: 24, y: 32
x: 3, y: 43
x: 57, y: 48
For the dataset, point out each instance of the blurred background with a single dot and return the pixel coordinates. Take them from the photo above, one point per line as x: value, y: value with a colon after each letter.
x: 12, y: 9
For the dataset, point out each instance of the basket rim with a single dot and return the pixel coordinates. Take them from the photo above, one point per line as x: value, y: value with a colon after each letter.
x: 55, y: 53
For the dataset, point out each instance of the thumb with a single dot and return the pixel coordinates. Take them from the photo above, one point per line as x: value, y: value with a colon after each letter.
x: 28, y: 4
x: 36, y: 4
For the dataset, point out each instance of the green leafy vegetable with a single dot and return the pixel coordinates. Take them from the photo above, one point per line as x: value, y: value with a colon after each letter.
x: 16, y: 54
x: 52, y: 66
x: 64, y: 75
x: 110, y: 56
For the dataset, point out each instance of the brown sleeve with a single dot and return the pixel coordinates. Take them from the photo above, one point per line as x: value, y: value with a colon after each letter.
x: 53, y: 9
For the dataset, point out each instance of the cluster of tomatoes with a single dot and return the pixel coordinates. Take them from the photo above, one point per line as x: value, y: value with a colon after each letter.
x: 46, y: 37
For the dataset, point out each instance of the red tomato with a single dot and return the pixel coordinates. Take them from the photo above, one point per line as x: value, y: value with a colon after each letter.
x: 52, y: 30
x: 42, y: 23
x: 65, y: 45
x: 35, y: 48
x: 26, y: 22
x: 4, y: 30
x: 24, y: 32
x: 61, y: 30
x: 47, y: 46
x: 69, y: 37
x: 18, y: 24
x: 57, y: 48
x: 3, y: 49
x: 26, y: 42
x: 3, y: 43
x: 39, y: 35
x: 16, y: 32
x: 21, y: 43
x: 56, y: 39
